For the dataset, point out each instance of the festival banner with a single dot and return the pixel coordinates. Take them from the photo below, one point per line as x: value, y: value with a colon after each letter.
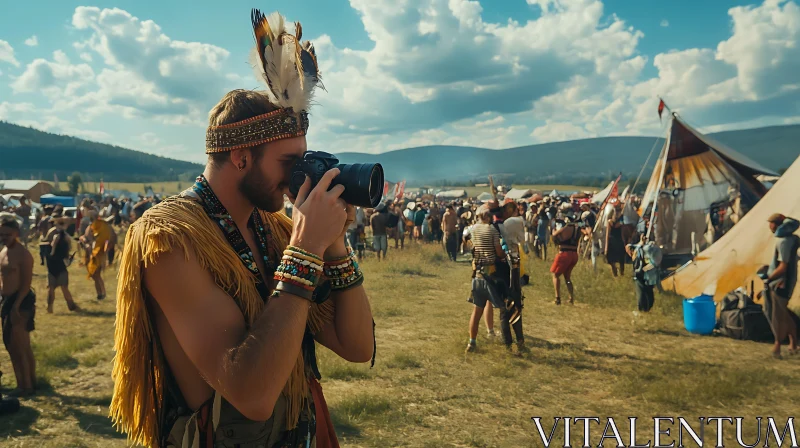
x: 401, y: 190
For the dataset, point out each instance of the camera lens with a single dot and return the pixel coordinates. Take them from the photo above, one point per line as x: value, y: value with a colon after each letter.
x: 363, y: 183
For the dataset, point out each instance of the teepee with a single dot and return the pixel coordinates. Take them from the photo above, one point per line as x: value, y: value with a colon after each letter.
x: 732, y: 261
x: 698, y: 190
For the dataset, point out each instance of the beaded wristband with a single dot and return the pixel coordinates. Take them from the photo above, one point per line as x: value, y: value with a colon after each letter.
x: 297, y: 250
x: 343, y: 273
x: 301, y: 256
x: 299, y: 269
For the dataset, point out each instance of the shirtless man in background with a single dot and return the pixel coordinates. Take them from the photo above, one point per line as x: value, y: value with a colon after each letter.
x: 17, y: 306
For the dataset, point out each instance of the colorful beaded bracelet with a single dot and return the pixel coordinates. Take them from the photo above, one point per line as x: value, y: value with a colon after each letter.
x: 300, y: 261
x: 344, y: 273
x: 303, y: 252
x: 301, y: 270
x: 302, y: 256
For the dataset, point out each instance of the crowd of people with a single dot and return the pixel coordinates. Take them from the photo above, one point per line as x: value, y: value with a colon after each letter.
x: 499, y: 236
x: 91, y: 235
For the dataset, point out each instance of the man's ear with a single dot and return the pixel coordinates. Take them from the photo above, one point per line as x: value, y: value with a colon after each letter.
x: 241, y: 158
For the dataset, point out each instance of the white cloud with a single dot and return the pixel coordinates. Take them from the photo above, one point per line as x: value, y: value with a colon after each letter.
x: 57, y: 125
x: 554, y: 131
x: 57, y: 78
x: 190, y: 71
x: 749, y: 78
x: 439, y: 72
x: 664, y: 23
x: 7, y: 53
x: 32, y: 41
x: 456, y: 66
x: 12, y: 110
x: 147, y: 139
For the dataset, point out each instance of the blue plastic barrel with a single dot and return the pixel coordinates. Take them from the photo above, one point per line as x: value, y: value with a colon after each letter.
x: 700, y: 314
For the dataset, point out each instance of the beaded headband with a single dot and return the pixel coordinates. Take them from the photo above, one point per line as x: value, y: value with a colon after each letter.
x: 290, y: 72
x: 276, y: 125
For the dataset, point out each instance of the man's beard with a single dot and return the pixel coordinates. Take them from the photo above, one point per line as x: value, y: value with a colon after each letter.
x: 255, y: 188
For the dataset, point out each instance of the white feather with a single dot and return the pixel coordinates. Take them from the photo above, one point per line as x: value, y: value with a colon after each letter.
x: 288, y: 86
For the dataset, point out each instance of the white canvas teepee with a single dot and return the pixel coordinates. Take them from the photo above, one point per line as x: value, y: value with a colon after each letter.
x: 694, y: 176
x: 732, y: 261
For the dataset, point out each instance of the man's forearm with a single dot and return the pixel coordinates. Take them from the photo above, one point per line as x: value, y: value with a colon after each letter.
x: 353, y: 322
x: 268, y: 352
x: 353, y: 316
x: 778, y: 273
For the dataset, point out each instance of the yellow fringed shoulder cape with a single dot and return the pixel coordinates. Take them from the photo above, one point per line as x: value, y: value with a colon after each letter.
x: 182, y: 224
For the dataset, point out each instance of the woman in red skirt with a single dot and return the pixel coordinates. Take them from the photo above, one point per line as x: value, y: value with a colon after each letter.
x: 566, y: 236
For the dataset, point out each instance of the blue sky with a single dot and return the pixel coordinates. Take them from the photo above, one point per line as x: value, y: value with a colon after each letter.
x: 403, y: 73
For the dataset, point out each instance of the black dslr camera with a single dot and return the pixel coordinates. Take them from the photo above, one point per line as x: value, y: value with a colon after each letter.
x: 363, y: 182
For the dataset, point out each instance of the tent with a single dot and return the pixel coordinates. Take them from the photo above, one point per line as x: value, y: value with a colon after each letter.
x: 66, y: 201
x: 699, y: 189
x: 601, y: 195
x: 451, y: 194
x: 517, y: 194
x: 485, y: 196
x: 733, y: 260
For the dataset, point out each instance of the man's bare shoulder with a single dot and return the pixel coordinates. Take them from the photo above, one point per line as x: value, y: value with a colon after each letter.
x: 20, y: 253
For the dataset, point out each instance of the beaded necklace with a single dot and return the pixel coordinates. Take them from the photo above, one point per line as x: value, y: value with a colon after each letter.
x: 217, y: 212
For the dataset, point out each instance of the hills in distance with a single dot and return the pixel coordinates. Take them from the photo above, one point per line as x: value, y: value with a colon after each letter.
x: 26, y: 152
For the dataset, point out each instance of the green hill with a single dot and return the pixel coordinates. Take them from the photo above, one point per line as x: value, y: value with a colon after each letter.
x: 26, y: 152
x: 579, y: 162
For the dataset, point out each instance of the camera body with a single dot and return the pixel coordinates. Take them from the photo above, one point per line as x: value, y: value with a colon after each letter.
x: 314, y: 164
x: 363, y: 182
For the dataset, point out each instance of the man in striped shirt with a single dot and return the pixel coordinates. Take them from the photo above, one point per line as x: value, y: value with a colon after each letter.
x: 486, y: 250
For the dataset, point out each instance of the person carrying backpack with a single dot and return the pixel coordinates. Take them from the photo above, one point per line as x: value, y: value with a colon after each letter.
x: 780, y: 278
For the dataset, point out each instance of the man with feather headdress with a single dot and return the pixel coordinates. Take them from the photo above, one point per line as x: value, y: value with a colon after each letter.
x: 213, y: 349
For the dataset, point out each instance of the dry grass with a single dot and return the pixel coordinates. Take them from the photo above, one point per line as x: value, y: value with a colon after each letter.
x: 593, y: 359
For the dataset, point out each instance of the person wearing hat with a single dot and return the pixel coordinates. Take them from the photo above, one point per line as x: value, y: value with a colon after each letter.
x: 57, y: 273
x: 780, y: 278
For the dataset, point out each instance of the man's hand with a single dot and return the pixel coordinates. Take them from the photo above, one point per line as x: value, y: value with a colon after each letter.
x: 319, y: 215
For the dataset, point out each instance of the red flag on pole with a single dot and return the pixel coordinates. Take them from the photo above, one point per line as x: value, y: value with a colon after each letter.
x: 401, y: 190
x: 661, y: 106
x: 385, y: 188
x: 102, y: 188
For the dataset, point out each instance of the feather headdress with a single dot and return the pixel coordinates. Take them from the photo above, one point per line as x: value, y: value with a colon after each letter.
x: 290, y: 72
x: 287, y: 67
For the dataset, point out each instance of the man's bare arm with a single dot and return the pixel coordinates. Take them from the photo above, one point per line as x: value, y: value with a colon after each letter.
x: 26, y: 277
x: 350, y: 334
x: 249, y: 368
x: 778, y: 272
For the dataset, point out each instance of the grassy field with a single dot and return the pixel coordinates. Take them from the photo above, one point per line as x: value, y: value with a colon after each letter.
x: 596, y: 358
